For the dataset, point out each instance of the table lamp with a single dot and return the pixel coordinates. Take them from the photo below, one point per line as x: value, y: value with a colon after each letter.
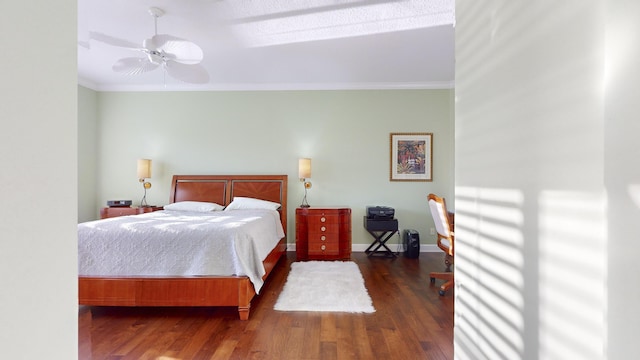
x: 144, y: 172
x: 304, y: 172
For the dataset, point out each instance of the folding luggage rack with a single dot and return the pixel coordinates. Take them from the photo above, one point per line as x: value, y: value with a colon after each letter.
x: 382, y: 230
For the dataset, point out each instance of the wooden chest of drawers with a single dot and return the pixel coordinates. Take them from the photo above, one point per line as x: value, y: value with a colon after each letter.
x: 323, y: 233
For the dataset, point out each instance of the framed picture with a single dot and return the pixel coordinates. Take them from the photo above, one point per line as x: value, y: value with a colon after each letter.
x: 411, y: 157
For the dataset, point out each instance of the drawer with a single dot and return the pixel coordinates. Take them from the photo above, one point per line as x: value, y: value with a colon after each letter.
x: 122, y: 212
x: 323, y: 237
x: 315, y: 221
x: 323, y: 248
x: 324, y: 230
x: 110, y: 212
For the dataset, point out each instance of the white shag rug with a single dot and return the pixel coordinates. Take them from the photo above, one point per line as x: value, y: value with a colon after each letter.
x: 333, y: 286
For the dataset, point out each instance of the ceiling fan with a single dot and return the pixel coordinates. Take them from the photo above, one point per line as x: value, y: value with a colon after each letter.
x: 178, y: 57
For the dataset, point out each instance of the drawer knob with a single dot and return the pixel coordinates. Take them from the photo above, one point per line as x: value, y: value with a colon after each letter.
x: 323, y: 238
x: 323, y: 219
x: 323, y: 228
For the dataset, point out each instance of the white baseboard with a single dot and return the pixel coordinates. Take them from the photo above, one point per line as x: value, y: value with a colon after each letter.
x: 393, y: 247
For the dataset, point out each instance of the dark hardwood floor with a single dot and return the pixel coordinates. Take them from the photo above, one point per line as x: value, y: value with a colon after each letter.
x: 411, y: 322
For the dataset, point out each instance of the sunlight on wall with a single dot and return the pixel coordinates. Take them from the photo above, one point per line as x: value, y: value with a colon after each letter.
x: 572, y: 268
x: 489, y: 259
x: 620, y: 37
x: 546, y: 291
x: 265, y: 23
x: 634, y: 193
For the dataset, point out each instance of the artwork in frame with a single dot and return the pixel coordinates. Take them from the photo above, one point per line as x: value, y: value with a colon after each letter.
x: 411, y: 157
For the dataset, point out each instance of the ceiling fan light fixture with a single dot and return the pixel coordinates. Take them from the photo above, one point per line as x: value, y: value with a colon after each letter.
x: 149, y: 44
x: 156, y: 12
x: 155, y: 58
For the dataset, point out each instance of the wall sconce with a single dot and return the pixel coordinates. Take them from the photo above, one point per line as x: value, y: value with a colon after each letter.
x: 144, y: 172
x: 304, y: 172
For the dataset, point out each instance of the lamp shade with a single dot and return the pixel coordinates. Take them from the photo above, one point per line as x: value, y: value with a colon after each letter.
x: 304, y: 168
x: 144, y: 168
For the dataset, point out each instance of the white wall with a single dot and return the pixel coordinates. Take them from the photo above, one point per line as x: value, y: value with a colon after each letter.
x: 622, y: 176
x: 38, y: 145
x: 346, y: 133
x: 531, y: 205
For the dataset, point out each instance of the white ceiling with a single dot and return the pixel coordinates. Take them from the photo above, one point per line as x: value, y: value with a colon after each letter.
x: 278, y: 44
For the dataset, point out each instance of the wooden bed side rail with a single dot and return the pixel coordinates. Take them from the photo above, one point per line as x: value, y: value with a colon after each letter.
x: 179, y: 291
x: 175, y: 291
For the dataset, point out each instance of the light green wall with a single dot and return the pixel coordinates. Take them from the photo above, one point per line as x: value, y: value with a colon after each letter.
x: 346, y: 133
x: 88, y: 157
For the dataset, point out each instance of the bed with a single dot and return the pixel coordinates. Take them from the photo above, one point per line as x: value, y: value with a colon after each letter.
x: 195, y: 290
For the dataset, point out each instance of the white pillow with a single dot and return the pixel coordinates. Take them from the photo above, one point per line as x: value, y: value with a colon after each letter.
x: 251, y: 203
x: 197, y: 206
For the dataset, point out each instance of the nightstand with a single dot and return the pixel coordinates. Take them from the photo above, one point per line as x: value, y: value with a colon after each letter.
x: 109, y: 212
x: 323, y: 233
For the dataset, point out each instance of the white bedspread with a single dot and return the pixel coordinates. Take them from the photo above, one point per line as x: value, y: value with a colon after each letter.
x: 177, y: 243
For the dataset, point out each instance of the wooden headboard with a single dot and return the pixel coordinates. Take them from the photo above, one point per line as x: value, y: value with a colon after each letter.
x: 221, y: 189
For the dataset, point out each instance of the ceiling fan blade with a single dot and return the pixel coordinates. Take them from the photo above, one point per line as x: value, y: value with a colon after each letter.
x: 180, y: 50
x: 191, y: 73
x: 133, y: 66
x: 84, y: 44
x: 113, y: 41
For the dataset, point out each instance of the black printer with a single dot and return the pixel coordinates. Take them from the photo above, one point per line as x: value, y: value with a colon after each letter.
x: 380, y: 212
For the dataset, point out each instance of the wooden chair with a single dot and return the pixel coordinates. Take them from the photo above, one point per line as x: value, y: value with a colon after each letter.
x: 444, y: 230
